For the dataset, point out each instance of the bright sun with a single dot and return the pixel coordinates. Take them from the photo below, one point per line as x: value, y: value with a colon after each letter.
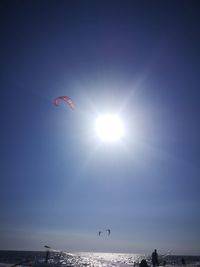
x: 109, y: 127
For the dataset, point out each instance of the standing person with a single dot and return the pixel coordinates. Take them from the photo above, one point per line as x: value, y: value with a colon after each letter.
x: 47, y: 256
x: 154, y: 258
x: 183, y: 261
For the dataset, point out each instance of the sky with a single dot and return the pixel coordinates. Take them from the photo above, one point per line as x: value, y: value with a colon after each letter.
x: 59, y: 184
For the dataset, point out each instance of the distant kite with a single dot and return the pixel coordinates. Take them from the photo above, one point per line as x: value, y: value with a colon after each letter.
x: 66, y: 99
x: 47, y: 247
x: 108, y: 230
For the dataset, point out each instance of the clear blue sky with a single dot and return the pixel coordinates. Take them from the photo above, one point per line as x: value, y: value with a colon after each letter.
x: 59, y: 186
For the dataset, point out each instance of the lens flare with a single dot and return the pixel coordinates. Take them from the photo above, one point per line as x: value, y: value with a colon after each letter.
x: 109, y: 127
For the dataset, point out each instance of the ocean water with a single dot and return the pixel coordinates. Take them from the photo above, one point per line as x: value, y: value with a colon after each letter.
x: 86, y: 259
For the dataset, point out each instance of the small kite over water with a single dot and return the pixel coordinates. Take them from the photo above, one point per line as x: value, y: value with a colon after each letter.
x: 108, y: 230
x: 47, y: 247
x: 67, y: 99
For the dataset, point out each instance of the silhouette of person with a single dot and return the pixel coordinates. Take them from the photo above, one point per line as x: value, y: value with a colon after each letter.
x: 143, y: 263
x: 183, y: 261
x: 154, y: 258
x: 47, y: 256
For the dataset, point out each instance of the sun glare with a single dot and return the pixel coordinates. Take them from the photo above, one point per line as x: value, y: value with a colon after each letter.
x: 109, y: 128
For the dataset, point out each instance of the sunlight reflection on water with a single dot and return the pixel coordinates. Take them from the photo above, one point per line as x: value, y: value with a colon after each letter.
x: 86, y: 259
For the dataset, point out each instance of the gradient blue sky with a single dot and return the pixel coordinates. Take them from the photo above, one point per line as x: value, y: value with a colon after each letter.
x: 59, y: 185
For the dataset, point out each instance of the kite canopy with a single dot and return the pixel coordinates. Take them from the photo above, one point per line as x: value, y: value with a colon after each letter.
x: 67, y: 99
x: 108, y: 230
x: 47, y: 247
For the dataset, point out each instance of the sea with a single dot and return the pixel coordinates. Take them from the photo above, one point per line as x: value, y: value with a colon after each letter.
x: 88, y: 259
